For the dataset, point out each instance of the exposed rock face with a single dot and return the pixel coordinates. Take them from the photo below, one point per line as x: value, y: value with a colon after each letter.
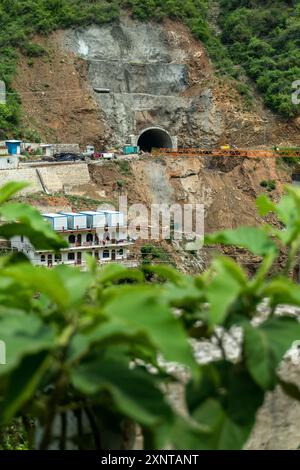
x: 158, y: 76
x: 146, y: 68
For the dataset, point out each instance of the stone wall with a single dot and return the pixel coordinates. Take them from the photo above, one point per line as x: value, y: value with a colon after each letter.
x: 54, y: 177
x: 24, y: 174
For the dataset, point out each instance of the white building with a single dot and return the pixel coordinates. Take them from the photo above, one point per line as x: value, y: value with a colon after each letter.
x: 95, y: 233
x: 7, y: 162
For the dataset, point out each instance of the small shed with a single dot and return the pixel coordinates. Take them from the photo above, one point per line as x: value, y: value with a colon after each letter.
x: 114, y: 218
x: 76, y: 220
x: 47, y: 150
x: 131, y: 149
x: 13, y: 147
x: 57, y: 221
x: 9, y: 162
x: 95, y: 219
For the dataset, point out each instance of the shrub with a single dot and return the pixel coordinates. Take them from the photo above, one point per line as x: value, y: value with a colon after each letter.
x: 270, y: 185
x: 264, y: 38
x: 87, y: 344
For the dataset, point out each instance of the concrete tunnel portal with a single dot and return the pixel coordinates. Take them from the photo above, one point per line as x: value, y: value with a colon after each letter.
x: 154, y: 137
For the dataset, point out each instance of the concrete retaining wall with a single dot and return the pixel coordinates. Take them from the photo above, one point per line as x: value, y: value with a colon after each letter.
x: 54, y: 176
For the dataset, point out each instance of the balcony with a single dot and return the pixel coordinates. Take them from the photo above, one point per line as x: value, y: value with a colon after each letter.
x: 100, y: 244
x: 123, y: 262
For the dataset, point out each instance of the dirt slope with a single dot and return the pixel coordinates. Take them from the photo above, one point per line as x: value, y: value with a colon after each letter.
x: 57, y: 100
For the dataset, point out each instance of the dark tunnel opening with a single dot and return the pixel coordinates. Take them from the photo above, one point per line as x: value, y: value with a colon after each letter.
x: 154, y: 138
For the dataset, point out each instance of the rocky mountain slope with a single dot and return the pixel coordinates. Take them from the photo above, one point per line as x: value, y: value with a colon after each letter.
x: 158, y: 75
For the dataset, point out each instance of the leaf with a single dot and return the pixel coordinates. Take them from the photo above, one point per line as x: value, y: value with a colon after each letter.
x: 185, y: 293
x: 75, y: 282
x: 282, y: 290
x: 23, y: 383
x: 24, y: 335
x: 134, y: 392
x: 187, y: 434
x: 225, y: 401
x: 257, y: 282
x: 265, y: 346
x: 165, y: 272
x: 11, y: 188
x: 39, y: 279
x: 140, y: 307
x: 228, y: 282
x: 265, y: 205
x: 22, y: 219
x: 116, y: 272
x: 63, y: 285
x: 251, y: 238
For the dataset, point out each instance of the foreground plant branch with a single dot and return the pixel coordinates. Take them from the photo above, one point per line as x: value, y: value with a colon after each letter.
x: 88, y: 343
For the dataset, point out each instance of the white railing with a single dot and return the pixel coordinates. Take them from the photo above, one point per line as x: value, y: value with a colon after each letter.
x: 102, y: 262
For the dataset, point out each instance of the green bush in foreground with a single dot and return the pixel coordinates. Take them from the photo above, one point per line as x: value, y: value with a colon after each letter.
x: 87, y: 343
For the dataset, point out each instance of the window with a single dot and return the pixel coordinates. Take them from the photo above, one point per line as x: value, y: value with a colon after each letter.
x: 71, y: 256
x: 105, y: 254
x: 58, y: 258
x: 43, y: 258
x: 89, y: 237
x: 72, y: 239
x: 120, y: 252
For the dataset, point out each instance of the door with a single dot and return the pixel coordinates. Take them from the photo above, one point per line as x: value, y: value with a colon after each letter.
x: 50, y: 261
x: 79, y: 258
x: 113, y: 254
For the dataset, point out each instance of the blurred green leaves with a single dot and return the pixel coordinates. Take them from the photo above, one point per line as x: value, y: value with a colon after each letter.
x: 104, y: 339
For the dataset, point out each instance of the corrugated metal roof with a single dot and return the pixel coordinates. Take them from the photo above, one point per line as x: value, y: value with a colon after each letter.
x: 73, y: 214
x: 53, y: 215
x: 92, y: 212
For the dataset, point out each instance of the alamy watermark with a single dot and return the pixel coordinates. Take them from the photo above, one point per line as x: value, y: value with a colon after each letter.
x: 296, y: 93
x: 180, y: 222
x: 2, y: 353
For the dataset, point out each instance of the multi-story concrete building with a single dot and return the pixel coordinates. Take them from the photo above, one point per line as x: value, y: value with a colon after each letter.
x: 101, y: 234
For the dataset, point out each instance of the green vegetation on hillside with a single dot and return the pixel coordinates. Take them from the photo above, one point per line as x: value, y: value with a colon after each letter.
x: 20, y: 20
x: 264, y: 37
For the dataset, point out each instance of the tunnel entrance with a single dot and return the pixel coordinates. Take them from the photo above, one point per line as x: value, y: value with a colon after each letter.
x: 154, y: 138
